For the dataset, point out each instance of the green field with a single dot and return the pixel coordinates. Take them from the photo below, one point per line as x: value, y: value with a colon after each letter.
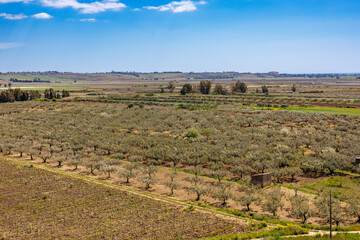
x: 331, y: 110
x: 32, y: 76
x: 55, y: 88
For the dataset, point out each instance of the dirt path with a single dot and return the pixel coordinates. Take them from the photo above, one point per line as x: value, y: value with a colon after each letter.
x: 322, y: 233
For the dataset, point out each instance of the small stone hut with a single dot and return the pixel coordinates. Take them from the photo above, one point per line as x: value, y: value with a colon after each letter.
x: 263, y: 179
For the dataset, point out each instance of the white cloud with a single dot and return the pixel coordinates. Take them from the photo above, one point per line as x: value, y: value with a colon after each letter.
x: 93, y: 7
x: 85, y: 20
x: 13, y: 16
x: 10, y: 45
x: 88, y: 20
x: 42, y: 16
x: 177, y: 7
x: 22, y: 16
x: 14, y: 1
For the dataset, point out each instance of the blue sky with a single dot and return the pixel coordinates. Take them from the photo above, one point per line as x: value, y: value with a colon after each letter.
x: 294, y: 36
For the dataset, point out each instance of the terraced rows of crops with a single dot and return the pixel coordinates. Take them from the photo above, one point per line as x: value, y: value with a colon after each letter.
x: 232, y: 99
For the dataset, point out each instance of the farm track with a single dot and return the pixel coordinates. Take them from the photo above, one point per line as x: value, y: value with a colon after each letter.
x: 132, y: 190
x: 314, y: 233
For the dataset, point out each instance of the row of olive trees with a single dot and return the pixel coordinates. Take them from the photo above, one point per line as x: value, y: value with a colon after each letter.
x: 271, y: 200
x: 295, y: 149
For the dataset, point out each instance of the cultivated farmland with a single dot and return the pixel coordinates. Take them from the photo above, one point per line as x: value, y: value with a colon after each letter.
x: 188, y: 156
x: 37, y: 204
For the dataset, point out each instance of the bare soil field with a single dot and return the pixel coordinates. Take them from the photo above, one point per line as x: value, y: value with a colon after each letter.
x: 36, y: 204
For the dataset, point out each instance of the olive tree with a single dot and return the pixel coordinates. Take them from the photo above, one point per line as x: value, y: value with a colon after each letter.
x: 59, y: 159
x: 129, y: 171
x: 21, y: 147
x: 332, y: 160
x: 44, y: 156
x: 32, y: 152
x: 241, y: 170
x: 199, y: 190
x: 300, y: 207
x: 94, y: 163
x: 149, y: 177
x: 75, y: 161
x: 172, y: 184
x: 108, y: 169
x: 273, y: 200
x: 217, y: 171
x: 250, y: 195
x: 353, y: 207
x: 323, y: 204
x: 222, y: 192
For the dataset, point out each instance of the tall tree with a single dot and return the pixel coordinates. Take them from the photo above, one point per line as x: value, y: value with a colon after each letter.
x: 239, y: 87
x: 220, y: 89
x: 171, y: 86
x: 187, y: 88
x: 265, y: 89
x: 205, y: 86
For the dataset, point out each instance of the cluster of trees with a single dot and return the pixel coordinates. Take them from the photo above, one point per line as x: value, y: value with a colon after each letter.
x: 35, y: 80
x: 12, y: 95
x: 51, y: 94
x: 239, y: 87
x: 220, y: 90
x: 265, y: 89
x: 205, y: 88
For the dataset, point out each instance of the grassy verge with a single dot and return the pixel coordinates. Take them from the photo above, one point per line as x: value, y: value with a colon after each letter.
x: 331, y: 110
x: 275, y: 232
x: 340, y: 236
x: 341, y: 186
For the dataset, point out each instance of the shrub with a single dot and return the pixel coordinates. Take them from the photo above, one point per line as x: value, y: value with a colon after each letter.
x: 190, y: 208
x: 192, y: 133
x: 149, y: 94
